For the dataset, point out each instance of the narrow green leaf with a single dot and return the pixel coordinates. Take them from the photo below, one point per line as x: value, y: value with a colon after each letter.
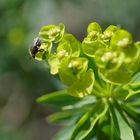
x: 113, y: 132
x: 88, y: 100
x: 135, y: 78
x: 126, y: 132
x: 87, y: 122
x: 122, y: 129
x: 59, y: 99
x: 60, y: 116
x: 82, y: 124
x: 136, y: 103
x: 64, y: 134
x: 132, y: 111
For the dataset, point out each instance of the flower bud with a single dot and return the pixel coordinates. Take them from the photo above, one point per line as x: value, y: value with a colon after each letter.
x: 78, y: 65
x: 121, y: 40
x: 108, y: 60
x: 108, y: 33
x: 52, y: 33
x: 94, y: 26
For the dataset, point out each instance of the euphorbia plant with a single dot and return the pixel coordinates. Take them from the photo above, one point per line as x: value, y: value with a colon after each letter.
x: 102, y: 77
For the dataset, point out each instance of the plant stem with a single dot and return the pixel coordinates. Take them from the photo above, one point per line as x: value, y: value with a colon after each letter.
x: 109, y: 89
x: 99, y: 87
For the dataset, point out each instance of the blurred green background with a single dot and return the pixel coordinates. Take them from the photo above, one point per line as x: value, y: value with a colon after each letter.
x: 23, y: 79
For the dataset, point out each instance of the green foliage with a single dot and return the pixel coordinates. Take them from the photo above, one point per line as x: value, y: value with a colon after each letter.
x: 102, y: 76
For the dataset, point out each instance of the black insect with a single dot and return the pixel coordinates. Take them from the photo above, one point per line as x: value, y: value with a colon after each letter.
x: 35, y: 47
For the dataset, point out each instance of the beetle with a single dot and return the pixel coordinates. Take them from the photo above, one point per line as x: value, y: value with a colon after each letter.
x: 35, y: 47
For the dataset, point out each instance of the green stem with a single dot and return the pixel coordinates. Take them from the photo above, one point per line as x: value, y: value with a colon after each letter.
x: 109, y: 89
x: 97, y: 93
x: 99, y: 87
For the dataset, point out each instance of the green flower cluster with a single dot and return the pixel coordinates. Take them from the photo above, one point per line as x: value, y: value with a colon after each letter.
x: 112, y: 52
x: 62, y: 51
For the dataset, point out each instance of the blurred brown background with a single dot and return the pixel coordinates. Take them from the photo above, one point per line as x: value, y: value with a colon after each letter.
x: 23, y: 79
